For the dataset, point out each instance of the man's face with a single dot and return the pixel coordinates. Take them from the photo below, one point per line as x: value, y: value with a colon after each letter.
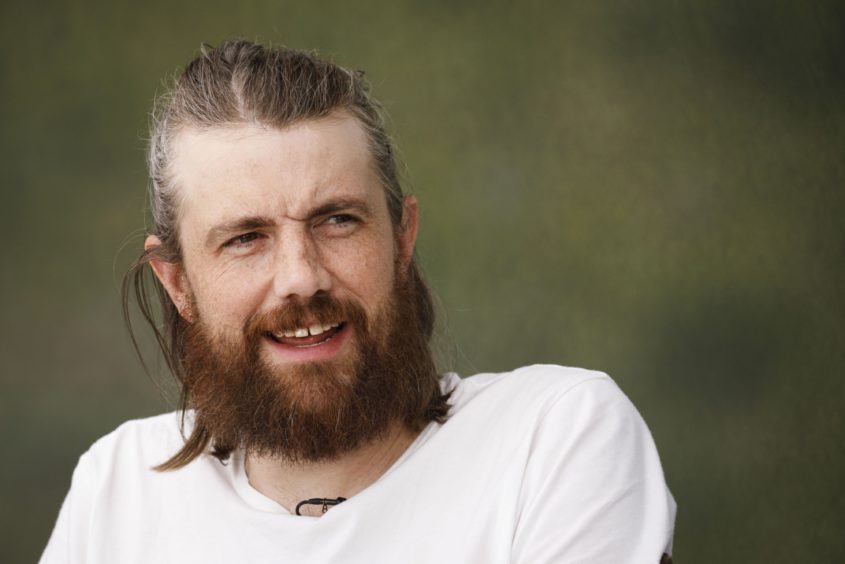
x: 274, y: 223
x: 269, y: 217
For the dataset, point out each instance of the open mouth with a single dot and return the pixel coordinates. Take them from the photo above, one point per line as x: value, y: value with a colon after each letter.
x: 303, y: 337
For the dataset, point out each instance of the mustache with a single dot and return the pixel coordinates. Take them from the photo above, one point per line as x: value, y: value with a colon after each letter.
x: 321, y: 308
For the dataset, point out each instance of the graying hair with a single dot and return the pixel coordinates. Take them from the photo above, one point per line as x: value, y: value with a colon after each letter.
x: 240, y: 82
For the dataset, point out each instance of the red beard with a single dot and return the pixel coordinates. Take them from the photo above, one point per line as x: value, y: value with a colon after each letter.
x: 312, y: 411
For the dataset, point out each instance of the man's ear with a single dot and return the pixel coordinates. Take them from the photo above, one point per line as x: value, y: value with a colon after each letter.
x: 408, y: 230
x: 172, y: 277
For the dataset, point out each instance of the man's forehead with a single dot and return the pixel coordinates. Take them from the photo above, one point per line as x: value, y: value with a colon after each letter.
x: 249, y: 167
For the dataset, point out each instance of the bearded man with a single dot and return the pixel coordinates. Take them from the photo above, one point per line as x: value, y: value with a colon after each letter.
x: 313, y: 424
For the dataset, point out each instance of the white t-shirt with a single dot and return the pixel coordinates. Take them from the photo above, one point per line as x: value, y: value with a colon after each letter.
x: 543, y: 464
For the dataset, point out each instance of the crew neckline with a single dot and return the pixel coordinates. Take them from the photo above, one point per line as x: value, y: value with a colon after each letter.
x: 260, y: 502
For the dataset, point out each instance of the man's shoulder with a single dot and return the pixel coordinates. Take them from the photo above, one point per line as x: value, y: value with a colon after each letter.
x: 150, y: 440
x: 526, y: 397
x: 540, y: 375
x: 538, y: 382
x: 155, y: 427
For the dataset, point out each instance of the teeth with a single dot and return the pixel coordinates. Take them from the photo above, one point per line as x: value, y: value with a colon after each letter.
x: 300, y: 332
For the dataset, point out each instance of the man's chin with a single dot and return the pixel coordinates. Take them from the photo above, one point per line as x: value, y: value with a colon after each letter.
x: 254, y: 393
x: 311, y: 386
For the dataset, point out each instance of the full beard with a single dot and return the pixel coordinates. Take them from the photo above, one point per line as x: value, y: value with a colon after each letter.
x: 312, y: 411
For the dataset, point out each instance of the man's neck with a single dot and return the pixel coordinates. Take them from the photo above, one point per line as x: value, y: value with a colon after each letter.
x: 288, y: 483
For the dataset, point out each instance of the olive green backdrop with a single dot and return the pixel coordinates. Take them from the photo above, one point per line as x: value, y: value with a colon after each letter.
x: 654, y: 189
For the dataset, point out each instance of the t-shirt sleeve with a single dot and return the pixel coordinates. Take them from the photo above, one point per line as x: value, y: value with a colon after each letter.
x: 68, y: 542
x: 594, y: 489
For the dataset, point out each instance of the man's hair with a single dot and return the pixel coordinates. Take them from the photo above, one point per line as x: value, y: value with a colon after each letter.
x: 240, y: 82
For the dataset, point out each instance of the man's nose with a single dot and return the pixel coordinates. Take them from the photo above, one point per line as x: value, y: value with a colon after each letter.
x: 299, y: 269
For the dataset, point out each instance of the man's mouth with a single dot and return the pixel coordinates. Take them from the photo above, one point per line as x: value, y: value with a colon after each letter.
x: 310, y: 336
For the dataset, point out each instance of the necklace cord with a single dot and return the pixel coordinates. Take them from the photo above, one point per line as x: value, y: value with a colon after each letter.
x: 324, y: 501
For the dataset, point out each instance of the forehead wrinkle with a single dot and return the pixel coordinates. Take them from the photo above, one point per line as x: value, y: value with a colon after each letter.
x: 299, y: 186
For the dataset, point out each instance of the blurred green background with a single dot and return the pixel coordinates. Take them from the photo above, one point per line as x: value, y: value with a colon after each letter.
x: 654, y: 189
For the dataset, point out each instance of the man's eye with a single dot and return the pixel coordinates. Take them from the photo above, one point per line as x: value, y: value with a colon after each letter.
x: 338, y: 225
x: 340, y: 219
x: 242, y: 240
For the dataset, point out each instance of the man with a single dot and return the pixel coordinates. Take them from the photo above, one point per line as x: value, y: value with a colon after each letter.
x: 314, y: 427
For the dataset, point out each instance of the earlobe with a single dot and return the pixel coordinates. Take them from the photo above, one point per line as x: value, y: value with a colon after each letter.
x: 172, y: 277
x: 408, y: 232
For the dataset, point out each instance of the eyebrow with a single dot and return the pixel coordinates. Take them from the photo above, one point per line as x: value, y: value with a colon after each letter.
x: 258, y: 222
x: 340, y: 204
x: 225, y: 230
